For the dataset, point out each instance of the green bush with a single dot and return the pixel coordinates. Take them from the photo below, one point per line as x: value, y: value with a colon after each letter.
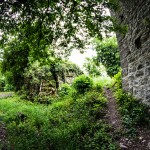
x: 133, y: 112
x: 6, y: 82
x: 97, y: 86
x: 118, y: 80
x: 64, y: 89
x: 96, y: 102
x: 8, y: 87
x: 98, y: 138
x: 108, y: 55
x: 2, y: 84
x: 95, y: 99
x: 65, y: 124
x: 82, y: 83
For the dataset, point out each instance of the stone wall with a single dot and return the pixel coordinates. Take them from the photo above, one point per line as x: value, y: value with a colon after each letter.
x: 135, y: 47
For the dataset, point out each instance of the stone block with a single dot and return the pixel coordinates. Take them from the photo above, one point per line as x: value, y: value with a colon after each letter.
x: 140, y: 66
x: 136, y: 82
x: 135, y: 48
x: 124, y: 63
x: 125, y: 72
x: 139, y: 73
x: 147, y: 61
x: 132, y: 69
x: 131, y: 58
x: 144, y: 81
x: 147, y: 96
x: 147, y: 71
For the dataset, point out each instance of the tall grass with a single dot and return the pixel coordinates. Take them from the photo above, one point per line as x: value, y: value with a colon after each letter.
x: 66, y: 124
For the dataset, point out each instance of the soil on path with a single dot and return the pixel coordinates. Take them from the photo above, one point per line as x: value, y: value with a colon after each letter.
x: 6, y: 94
x: 142, y: 141
x: 113, y: 116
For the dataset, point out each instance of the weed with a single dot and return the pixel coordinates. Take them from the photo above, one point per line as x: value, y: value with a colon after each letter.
x: 82, y: 84
x: 133, y: 112
x: 64, y: 124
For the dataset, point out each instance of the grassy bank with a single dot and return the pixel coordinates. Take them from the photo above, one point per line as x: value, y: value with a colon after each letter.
x: 66, y: 124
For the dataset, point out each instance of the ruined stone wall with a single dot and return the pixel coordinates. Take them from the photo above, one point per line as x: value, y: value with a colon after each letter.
x: 135, y: 47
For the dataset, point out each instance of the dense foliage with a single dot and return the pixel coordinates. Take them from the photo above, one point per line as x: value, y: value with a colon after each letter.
x: 108, y: 55
x: 5, y: 80
x: 91, y: 67
x: 44, y: 22
x: 67, y: 123
x: 82, y: 83
x: 19, y: 61
x: 133, y: 112
x: 2, y: 83
x: 43, y: 30
x: 118, y: 80
x: 15, y: 60
x: 36, y: 37
x: 65, y: 89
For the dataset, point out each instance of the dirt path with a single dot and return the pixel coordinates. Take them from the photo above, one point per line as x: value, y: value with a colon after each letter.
x: 5, y: 95
x: 113, y: 116
x: 142, y: 141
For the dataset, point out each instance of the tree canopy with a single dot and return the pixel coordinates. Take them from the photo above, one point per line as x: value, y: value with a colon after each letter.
x: 41, y: 22
x: 91, y: 67
x: 108, y: 55
x: 40, y: 29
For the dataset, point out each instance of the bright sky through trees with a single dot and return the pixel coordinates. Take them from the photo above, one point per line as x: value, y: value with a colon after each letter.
x: 79, y: 58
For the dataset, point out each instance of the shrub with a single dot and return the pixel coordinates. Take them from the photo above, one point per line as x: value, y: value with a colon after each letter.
x: 65, y: 124
x: 96, y: 102
x: 97, y: 86
x: 64, y: 89
x: 82, y: 83
x: 2, y: 84
x: 133, y: 112
x: 95, y: 99
x: 8, y: 87
x: 98, y: 138
x: 118, y: 80
x: 108, y: 55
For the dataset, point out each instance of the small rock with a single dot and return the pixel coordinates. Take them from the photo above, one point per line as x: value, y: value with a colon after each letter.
x: 144, y: 141
x: 140, y: 138
x: 113, y: 122
x: 129, y: 142
x: 123, y: 146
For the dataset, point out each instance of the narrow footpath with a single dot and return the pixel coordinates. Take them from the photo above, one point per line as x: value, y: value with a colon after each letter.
x: 7, y: 94
x: 113, y: 118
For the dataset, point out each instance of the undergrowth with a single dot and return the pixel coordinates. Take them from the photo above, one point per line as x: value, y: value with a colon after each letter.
x: 66, y: 124
x: 134, y: 113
